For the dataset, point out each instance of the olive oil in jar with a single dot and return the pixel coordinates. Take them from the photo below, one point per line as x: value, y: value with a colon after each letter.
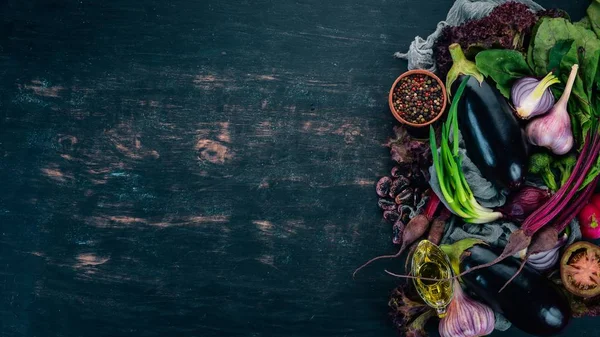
x: 430, y: 261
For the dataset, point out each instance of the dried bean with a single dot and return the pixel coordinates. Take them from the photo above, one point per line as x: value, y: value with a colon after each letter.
x: 383, y: 186
x: 398, y: 186
x: 405, y: 197
x: 397, y: 171
x: 416, y: 196
x: 386, y: 204
x: 397, y: 230
x: 391, y: 216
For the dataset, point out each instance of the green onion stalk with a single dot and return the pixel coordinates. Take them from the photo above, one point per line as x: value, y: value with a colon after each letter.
x: 448, y: 168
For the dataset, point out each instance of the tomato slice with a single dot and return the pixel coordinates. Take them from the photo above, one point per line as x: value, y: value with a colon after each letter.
x: 580, y: 269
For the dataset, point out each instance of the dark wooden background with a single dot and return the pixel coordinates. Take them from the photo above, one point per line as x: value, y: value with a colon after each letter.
x: 199, y: 167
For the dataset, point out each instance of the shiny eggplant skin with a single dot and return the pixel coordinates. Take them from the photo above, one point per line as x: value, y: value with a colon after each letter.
x: 493, y: 137
x: 531, y: 301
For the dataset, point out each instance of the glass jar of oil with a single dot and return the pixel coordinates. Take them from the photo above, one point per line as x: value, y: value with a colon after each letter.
x: 430, y: 261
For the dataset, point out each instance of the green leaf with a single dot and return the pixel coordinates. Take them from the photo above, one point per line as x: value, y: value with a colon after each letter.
x: 550, y: 41
x: 595, y: 170
x: 584, y: 23
x: 503, y: 66
x: 579, y: 106
x: 592, y: 174
x: 578, y: 121
x: 551, y: 32
x: 530, y: 60
x: 593, y: 15
x: 557, y: 53
x: 455, y: 250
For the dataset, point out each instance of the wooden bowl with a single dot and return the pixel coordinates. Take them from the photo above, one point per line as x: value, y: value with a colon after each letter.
x: 398, y: 116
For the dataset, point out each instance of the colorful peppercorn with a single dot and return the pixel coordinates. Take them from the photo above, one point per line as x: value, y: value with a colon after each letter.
x: 418, y: 98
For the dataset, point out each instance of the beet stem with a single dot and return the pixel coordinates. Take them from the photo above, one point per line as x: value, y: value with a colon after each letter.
x: 432, y: 205
x: 560, y: 193
x: 575, y: 207
x: 564, y: 196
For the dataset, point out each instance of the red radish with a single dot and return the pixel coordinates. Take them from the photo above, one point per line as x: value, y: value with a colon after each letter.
x: 595, y: 200
x: 588, y: 221
x: 414, y: 229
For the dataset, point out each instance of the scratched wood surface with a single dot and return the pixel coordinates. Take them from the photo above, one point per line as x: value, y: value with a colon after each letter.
x: 199, y: 167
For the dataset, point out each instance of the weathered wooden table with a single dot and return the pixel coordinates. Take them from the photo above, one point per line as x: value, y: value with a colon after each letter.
x: 199, y: 167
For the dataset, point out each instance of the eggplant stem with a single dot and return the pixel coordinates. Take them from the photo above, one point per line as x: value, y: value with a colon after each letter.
x: 461, y: 66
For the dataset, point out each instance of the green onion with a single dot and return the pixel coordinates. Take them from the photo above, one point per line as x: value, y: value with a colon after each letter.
x: 448, y: 168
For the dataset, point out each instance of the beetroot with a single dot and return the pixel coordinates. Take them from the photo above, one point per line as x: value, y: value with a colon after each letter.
x: 432, y: 205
